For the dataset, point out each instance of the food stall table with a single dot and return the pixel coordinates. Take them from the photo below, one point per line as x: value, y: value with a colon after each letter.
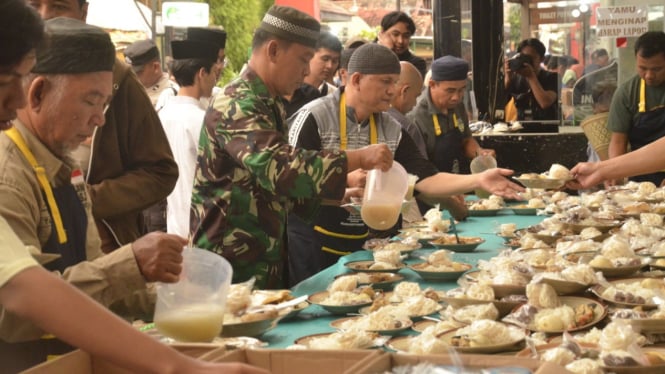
x: 314, y: 319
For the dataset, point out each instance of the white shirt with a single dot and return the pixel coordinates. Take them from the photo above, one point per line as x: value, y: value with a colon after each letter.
x: 182, y: 118
x: 14, y: 255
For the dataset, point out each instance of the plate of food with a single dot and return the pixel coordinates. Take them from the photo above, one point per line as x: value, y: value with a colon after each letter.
x: 404, y: 246
x: 370, y: 266
x: 565, y: 287
x: 439, y: 326
x: 347, y: 340
x: 524, y: 210
x: 465, y: 243
x: 504, y: 307
x: 587, y: 350
x: 622, y: 362
x: 481, y: 212
x: 432, y: 272
x: 632, y: 292
x: 249, y: 328
x: 422, y: 234
x: 539, y: 181
x: 341, y: 302
x: 575, y: 313
x: 381, y: 281
x: 383, y: 326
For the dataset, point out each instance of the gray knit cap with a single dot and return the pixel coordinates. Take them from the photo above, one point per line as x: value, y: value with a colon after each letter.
x: 292, y: 25
x: 374, y: 59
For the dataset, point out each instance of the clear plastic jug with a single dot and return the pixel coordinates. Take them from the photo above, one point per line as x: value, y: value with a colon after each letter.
x: 384, y: 193
x: 479, y: 164
x: 192, y: 310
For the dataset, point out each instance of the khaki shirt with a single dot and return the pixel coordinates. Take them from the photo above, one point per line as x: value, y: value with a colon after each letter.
x: 156, y: 90
x: 105, y: 278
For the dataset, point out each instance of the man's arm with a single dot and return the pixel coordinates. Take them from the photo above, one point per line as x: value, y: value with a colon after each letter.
x: 38, y: 296
x: 149, y: 171
x: 618, y: 144
x: 545, y: 97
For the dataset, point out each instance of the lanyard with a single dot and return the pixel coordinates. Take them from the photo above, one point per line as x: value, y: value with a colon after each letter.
x: 643, y: 99
x: 16, y: 137
x: 437, y: 126
x: 373, y: 138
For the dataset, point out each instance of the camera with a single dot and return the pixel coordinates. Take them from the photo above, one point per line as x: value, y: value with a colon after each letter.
x: 517, y: 62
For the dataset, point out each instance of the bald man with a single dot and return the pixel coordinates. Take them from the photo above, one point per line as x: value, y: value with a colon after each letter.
x: 408, y: 87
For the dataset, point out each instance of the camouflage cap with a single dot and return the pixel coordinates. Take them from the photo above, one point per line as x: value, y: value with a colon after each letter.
x: 207, y: 34
x: 73, y: 47
x: 141, y: 52
x: 374, y: 59
x: 292, y: 25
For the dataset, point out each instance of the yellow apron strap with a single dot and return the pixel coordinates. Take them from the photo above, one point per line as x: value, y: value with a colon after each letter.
x: 373, y: 135
x: 437, y: 127
x: 643, y: 97
x: 16, y: 137
x: 338, y: 235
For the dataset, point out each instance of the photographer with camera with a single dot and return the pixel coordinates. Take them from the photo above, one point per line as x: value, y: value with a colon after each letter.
x: 533, y: 88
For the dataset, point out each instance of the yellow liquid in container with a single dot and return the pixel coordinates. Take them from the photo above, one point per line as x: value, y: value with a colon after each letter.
x: 193, y: 323
x: 380, y: 216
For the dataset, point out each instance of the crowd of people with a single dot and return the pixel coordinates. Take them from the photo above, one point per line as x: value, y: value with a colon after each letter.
x: 111, y: 167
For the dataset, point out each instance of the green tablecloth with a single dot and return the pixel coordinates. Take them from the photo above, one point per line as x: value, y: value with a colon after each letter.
x: 315, y: 320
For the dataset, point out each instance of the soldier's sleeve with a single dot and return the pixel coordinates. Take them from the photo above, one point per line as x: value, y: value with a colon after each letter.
x: 245, y: 130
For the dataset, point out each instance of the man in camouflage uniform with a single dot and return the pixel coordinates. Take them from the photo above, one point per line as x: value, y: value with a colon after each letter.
x: 248, y: 177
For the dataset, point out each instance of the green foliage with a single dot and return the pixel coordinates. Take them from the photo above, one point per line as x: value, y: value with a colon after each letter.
x: 515, y: 22
x: 239, y: 19
x: 369, y: 34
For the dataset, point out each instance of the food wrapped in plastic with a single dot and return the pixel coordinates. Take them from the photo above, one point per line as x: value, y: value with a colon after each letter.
x: 480, y: 292
x: 651, y: 219
x: 484, y: 332
x: 601, y: 261
x: 589, y: 233
x: 346, y: 298
x: 382, y: 319
x: 440, y: 257
x: 347, y: 339
x: 636, y: 313
x: 427, y: 342
x: 555, y: 319
x: 529, y: 242
x: 558, y: 171
x: 536, y: 202
x: 405, y: 289
x: 585, y: 366
x: 616, y: 246
x: 507, y: 229
x: 618, y: 358
x: 539, y: 257
x: 420, y: 305
x: 542, y: 295
x: 646, y: 188
x: 496, y: 200
x: 581, y: 273
x: 593, y: 199
x: 435, y: 222
x: 346, y: 283
x: 470, y: 313
x: 558, y: 196
x: 388, y: 256
x: 239, y: 298
x: 619, y: 335
x: 558, y: 355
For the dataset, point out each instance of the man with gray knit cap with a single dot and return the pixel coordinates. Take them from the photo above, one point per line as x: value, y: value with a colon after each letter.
x: 372, y: 75
x: 248, y: 177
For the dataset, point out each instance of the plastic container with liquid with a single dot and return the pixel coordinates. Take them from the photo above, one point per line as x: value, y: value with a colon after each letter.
x: 383, y: 197
x: 192, y: 310
x: 478, y: 165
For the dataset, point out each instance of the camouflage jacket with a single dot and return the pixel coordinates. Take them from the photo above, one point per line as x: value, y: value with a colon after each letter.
x: 248, y: 177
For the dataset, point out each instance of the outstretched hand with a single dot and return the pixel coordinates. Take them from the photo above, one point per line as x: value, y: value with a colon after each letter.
x: 496, y: 182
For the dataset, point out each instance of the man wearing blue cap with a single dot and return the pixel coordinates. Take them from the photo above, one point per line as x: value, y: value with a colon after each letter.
x: 441, y: 117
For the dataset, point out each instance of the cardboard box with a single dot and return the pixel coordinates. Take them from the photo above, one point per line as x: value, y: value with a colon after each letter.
x: 281, y: 361
x: 80, y: 362
x: 388, y: 361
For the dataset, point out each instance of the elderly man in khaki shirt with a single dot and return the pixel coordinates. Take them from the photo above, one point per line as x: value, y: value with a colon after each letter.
x: 42, y: 193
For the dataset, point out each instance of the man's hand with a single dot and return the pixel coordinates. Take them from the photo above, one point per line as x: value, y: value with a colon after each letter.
x: 456, y: 206
x: 486, y: 152
x: 356, y: 178
x: 495, y: 181
x: 159, y: 256
x: 348, y: 194
x: 376, y: 156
